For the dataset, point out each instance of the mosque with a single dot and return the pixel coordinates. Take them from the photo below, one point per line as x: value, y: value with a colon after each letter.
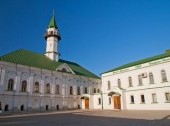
x: 30, y: 81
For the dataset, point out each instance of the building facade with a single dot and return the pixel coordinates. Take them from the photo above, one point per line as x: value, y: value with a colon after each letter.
x: 141, y: 85
x: 35, y: 82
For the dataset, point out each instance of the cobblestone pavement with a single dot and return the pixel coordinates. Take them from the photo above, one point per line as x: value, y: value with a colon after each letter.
x: 88, y: 118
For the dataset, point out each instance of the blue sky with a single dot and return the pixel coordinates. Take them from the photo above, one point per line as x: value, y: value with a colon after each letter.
x: 97, y: 34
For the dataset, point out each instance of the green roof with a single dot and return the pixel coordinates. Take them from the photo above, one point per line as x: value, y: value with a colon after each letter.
x: 53, y: 23
x: 29, y: 58
x: 164, y: 55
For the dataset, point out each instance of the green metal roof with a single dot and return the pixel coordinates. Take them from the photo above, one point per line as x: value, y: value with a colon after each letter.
x: 53, y: 23
x: 164, y: 55
x: 28, y: 58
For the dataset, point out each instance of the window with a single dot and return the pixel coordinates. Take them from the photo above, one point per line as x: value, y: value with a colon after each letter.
x: 64, y: 70
x: 132, y: 99
x: 47, y: 88
x: 98, y: 90
x: 151, y: 79
x: 108, y: 85
x: 109, y: 100
x: 85, y: 90
x: 99, y: 101
x: 130, y: 82
x: 24, y: 86
x: 154, y: 98
x: 167, y: 97
x: 142, y: 99
x: 119, y: 83
x: 71, y: 90
x: 57, y: 89
x: 36, y: 87
x: 140, y: 80
x: 163, y: 74
x: 78, y: 90
x: 10, y: 85
x: 94, y: 91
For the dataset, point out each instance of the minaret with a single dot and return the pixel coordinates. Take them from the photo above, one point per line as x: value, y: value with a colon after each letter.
x: 52, y: 37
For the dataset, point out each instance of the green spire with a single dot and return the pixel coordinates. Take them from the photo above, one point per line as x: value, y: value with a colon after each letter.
x: 52, y: 22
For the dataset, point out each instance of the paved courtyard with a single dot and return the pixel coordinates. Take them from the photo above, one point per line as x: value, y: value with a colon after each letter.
x: 88, y: 118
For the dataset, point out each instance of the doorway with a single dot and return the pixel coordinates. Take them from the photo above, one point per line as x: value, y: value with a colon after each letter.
x: 117, y: 102
x: 86, y: 103
x: 6, y: 108
x: 22, y: 107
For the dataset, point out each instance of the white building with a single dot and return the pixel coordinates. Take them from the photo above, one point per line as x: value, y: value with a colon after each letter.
x: 31, y: 81
x: 140, y: 85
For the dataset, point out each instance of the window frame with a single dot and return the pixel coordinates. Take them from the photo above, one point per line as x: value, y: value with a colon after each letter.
x: 47, y: 88
x: 99, y: 101
x: 154, y: 98
x: 142, y: 96
x: 132, y: 99
x: 164, y: 76
x: 140, y: 80
x: 78, y: 90
x: 167, y: 97
x: 57, y: 89
x: 108, y: 85
x: 130, y: 82
x: 119, y: 83
x: 10, y: 85
x: 36, y: 87
x: 151, y: 78
x: 24, y: 86
x: 71, y: 90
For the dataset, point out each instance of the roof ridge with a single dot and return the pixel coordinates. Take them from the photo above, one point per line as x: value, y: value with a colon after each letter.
x: 137, y: 62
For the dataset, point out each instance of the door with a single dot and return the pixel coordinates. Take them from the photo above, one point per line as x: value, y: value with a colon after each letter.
x: 117, y: 103
x: 86, y: 103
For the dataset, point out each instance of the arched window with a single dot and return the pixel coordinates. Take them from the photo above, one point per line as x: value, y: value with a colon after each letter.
x: 98, y: 90
x: 119, y: 83
x: 163, y: 74
x: 108, y: 85
x: 71, y: 90
x: 10, y: 85
x: 130, y: 82
x: 24, y: 86
x: 48, y: 88
x: 140, y: 80
x: 151, y: 79
x: 94, y: 90
x: 78, y: 90
x: 36, y: 87
x: 57, y: 89
x: 85, y: 90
